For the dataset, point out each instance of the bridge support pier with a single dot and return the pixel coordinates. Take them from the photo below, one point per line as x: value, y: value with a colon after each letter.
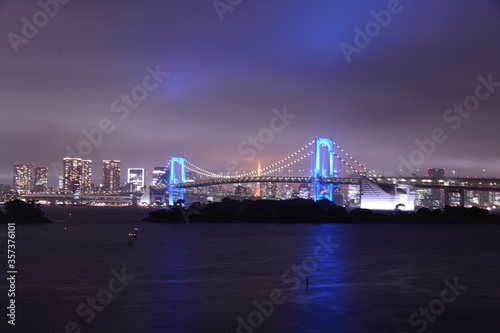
x: 175, y: 194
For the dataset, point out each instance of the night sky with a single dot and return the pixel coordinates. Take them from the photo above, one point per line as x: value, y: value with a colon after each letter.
x: 226, y: 77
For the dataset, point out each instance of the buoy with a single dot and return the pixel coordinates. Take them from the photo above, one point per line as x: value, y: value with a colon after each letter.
x: 131, y: 236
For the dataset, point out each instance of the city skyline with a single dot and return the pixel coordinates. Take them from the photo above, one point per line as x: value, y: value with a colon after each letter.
x: 211, y: 85
x: 435, y: 190
x: 250, y: 166
x: 140, y: 177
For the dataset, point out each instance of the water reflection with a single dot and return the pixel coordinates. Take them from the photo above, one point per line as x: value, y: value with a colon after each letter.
x: 202, y: 278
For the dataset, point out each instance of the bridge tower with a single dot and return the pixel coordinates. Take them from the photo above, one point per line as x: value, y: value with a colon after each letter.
x: 323, y: 167
x: 177, y: 175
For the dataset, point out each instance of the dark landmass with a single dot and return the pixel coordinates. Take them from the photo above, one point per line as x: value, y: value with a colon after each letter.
x: 308, y: 211
x: 18, y: 211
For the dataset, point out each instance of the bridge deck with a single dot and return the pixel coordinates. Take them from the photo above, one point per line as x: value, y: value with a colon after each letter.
x: 458, y: 183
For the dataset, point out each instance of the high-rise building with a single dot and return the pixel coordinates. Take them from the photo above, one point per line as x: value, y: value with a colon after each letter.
x: 41, y: 179
x: 158, y: 174
x: 136, y: 178
x: 304, y: 191
x: 240, y: 190
x: 437, y: 195
x: 111, y: 175
x: 60, y: 181
x: 269, y: 190
x: 87, y: 176
x: 77, y: 175
x: 24, y: 177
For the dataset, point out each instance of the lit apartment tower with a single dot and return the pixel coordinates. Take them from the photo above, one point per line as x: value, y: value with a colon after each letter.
x: 136, y: 178
x: 77, y: 175
x: 111, y: 175
x: 60, y: 181
x: 87, y: 176
x: 24, y: 177
x: 72, y: 168
x: 158, y: 173
x: 41, y: 179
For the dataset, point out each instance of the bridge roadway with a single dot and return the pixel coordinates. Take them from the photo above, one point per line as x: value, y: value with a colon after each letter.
x: 79, y: 197
x: 266, y: 179
x: 471, y: 184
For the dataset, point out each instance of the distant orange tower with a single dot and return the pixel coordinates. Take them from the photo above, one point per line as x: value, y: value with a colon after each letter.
x: 257, y: 187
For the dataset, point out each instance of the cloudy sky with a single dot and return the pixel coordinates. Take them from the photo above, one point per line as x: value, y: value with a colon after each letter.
x: 230, y: 67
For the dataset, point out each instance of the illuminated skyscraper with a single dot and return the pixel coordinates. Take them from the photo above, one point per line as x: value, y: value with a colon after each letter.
x: 41, y: 179
x: 87, y: 176
x: 304, y: 191
x: 24, y: 177
x: 77, y: 175
x: 136, y: 178
x: 111, y: 175
x: 158, y: 174
x: 60, y: 181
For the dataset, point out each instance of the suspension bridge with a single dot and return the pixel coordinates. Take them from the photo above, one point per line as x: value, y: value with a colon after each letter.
x: 321, y: 156
x: 324, y: 165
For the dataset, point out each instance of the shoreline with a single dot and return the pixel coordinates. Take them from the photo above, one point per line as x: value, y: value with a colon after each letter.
x: 323, y: 211
x: 383, y: 219
x: 25, y: 220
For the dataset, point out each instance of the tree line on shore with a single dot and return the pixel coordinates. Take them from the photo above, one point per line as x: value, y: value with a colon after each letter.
x: 303, y: 210
x: 21, y: 211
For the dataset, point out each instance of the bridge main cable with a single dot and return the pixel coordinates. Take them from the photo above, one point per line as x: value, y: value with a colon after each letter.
x: 192, y: 167
x: 277, y: 166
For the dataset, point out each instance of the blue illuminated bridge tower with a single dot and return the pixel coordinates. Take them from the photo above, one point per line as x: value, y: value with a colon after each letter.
x: 177, y: 175
x: 324, y: 167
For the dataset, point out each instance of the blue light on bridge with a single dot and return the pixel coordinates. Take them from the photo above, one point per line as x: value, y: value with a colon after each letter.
x: 176, y: 176
x: 324, y: 167
x: 322, y: 171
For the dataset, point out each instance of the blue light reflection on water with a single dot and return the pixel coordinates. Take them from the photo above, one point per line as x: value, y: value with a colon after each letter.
x: 201, y: 278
